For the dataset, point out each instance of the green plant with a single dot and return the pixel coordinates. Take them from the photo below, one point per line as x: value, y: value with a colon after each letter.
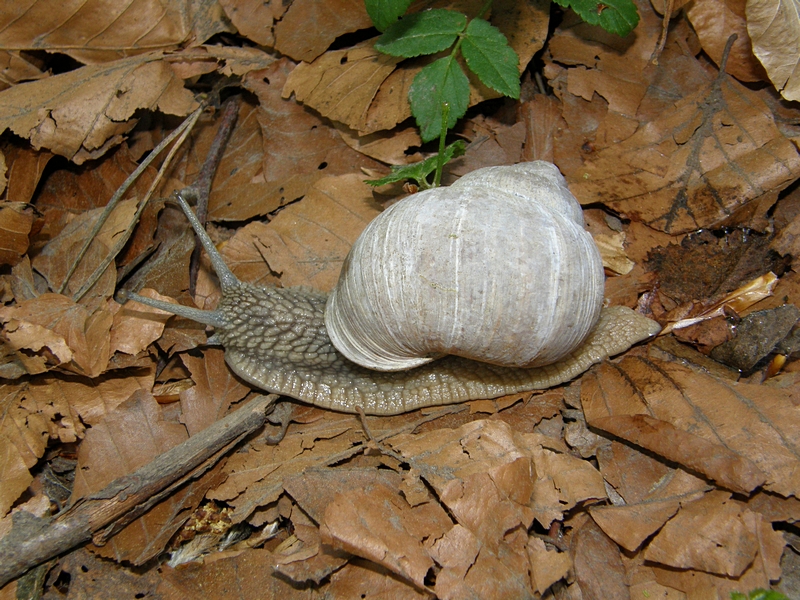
x: 419, y: 172
x: 758, y: 594
x: 484, y: 48
x: 616, y: 16
x: 439, y: 94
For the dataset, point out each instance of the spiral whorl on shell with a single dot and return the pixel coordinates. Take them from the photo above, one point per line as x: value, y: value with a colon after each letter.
x: 496, y: 267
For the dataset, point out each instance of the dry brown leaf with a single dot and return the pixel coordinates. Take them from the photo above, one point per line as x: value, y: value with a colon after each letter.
x: 708, y: 535
x: 723, y: 466
x: 214, y: 391
x: 774, y: 28
x: 640, y: 479
x: 714, y: 21
x: 387, y: 147
x: 342, y: 84
x: 598, y: 565
x: 60, y: 254
x: 25, y: 167
x: 129, y: 437
x: 96, y: 32
x: 83, y: 113
x: 546, y: 482
x: 16, y: 67
x: 306, y: 243
x: 254, y: 18
x: 136, y: 326
x: 757, y: 424
x: 276, y: 153
x: 547, y: 566
x: 255, y: 478
x: 378, y: 524
x: 308, y: 27
x: 16, y: 220
x: 631, y: 524
x: 617, y: 69
x: 696, y: 165
x: 80, y: 335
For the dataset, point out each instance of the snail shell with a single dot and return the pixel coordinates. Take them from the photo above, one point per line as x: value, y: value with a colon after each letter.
x: 497, y: 268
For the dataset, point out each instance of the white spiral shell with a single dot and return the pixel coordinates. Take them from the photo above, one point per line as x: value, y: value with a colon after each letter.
x: 496, y: 268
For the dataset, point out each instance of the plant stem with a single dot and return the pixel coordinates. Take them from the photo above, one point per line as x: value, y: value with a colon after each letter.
x: 437, y: 179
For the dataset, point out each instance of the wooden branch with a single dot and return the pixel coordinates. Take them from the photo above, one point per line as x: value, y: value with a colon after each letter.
x: 33, y: 540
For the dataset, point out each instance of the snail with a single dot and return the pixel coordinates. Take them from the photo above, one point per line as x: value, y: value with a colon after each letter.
x: 484, y: 288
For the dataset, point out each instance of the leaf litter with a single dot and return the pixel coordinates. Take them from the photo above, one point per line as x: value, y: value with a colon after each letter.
x: 661, y: 473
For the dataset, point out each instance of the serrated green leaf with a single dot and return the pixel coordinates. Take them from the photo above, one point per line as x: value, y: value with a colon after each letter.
x: 426, y: 32
x: 615, y: 16
x: 489, y: 56
x: 420, y: 171
x: 441, y: 81
x: 385, y: 12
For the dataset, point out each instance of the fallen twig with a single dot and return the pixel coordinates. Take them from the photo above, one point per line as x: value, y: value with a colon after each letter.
x: 32, y: 540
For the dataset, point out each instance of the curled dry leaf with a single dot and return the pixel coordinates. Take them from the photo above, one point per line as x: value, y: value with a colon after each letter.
x: 714, y: 21
x: 774, y: 28
x: 78, y: 338
x: 83, y: 113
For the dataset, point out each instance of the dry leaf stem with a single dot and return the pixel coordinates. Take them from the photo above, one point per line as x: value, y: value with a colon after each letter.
x: 32, y: 541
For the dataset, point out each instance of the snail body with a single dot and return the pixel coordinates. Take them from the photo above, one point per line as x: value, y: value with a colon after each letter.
x: 397, y: 308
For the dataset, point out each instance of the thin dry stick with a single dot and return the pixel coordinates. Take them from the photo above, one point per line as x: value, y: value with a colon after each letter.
x: 119, y: 193
x: 185, y: 128
x: 32, y: 541
x: 662, y: 41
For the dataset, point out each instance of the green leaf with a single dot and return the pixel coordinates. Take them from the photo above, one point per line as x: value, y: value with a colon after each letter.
x: 489, y: 56
x: 419, y: 171
x: 426, y: 32
x: 441, y: 81
x: 385, y: 12
x: 615, y: 16
x: 758, y: 594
